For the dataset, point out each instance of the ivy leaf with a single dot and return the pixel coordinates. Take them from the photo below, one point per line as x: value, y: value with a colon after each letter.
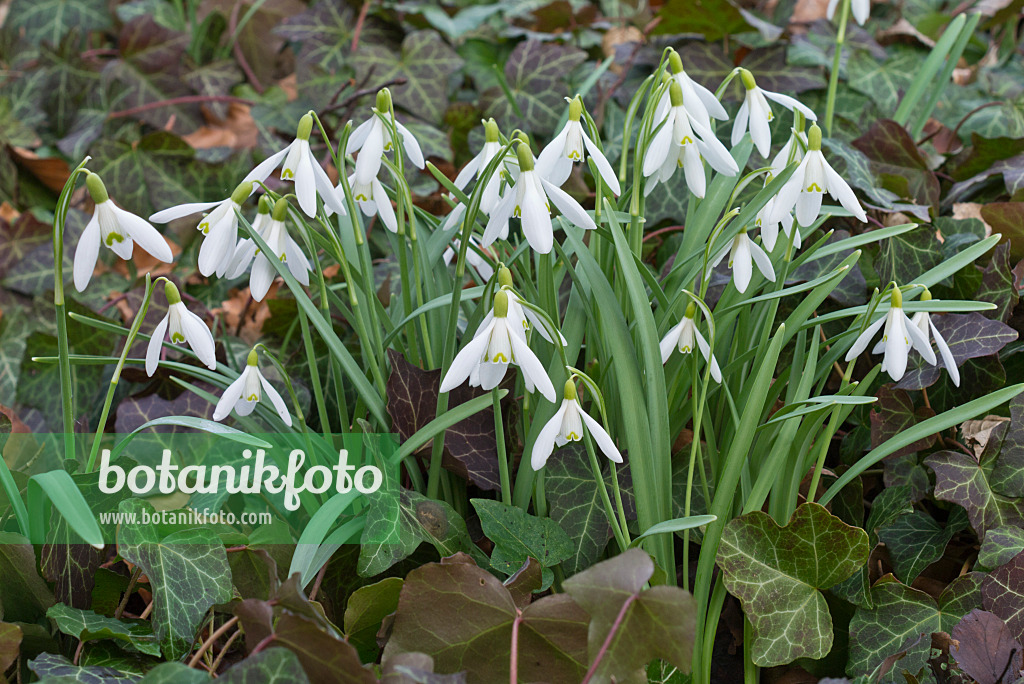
x: 325, y: 31
x: 1001, y: 544
x: 536, y: 76
x: 904, y: 257
x: 24, y: 596
x: 215, y: 78
x: 916, y: 541
x: 462, y: 616
x: 969, y: 336
x: 985, y: 649
x: 907, y: 470
x: 322, y: 656
x: 397, y: 523
x: 425, y: 60
x: 855, y: 167
x: 179, y: 673
x: 366, y: 609
x: 960, y: 479
x: 901, y: 618
x: 712, y: 19
x: 998, y: 284
x: 518, y: 536
x: 470, y: 444
x: 574, y: 502
x: 50, y: 20
x: 88, y: 626
x: 634, y: 626
x: 776, y: 573
x: 1007, y: 218
x: 1002, y: 592
x: 10, y: 644
x: 897, y: 161
x: 188, y: 571
x: 59, y: 668
x: 884, y: 81
x: 896, y: 413
x: 851, y: 290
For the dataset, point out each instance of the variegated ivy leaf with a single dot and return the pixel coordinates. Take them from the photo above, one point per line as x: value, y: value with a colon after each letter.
x: 777, y: 572
x: 916, y: 541
x: 1001, y: 545
x: 962, y: 480
x: 50, y: 20
x: 425, y: 61
x: 535, y: 74
x: 1002, y: 593
x: 902, y: 619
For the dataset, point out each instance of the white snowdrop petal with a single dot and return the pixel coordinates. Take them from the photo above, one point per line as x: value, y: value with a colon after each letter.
x: 86, y: 253
x: 181, y: 211
x: 275, y: 400
x: 545, y: 442
x: 569, y: 207
x: 230, y: 398
x: 156, y: 343
x: 864, y: 338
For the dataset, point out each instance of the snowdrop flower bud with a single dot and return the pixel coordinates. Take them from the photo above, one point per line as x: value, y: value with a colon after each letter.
x: 528, y: 200
x: 496, y: 345
x: 243, y: 394
x: 116, y: 229
x: 756, y: 113
x: 923, y: 322
x: 566, y: 426
x: 180, y: 325
x: 683, y: 336
x: 743, y: 252
x: 301, y: 167
x: 806, y: 187
x: 571, y: 145
x: 899, y: 337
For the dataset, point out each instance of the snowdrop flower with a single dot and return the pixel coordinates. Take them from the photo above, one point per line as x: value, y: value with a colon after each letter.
x: 477, y: 165
x: 245, y: 250
x: 860, y: 9
x: 528, y: 200
x: 700, y: 102
x: 683, y: 335
x: 492, y: 349
x: 300, y: 166
x: 923, y: 322
x: 180, y: 325
x: 743, y: 253
x: 770, y: 229
x: 472, y: 258
x: 518, y: 312
x: 676, y: 144
x: 373, y: 137
x: 373, y: 199
x: 899, y: 337
x: 284, y: 249
x: 808, y: 184
x: 115, y: 228
x: 571, y: 145
x: 756, y: 113
x: 244, y: 393
x: 567, y: 426
x: 220, y: 227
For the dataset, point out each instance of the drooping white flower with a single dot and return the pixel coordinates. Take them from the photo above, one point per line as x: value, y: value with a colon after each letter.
x: 472, y: 258
x: 475, y: 166
x: 683, y: 141
x: 245, y: 250
x: 683, y: 336
x: 180, y: 325
x: 700, y: 102
x: 743, y: 254
x: 571, y: 145
x: 860, y: 9
x: 899, y: 337
x: 519, y: 313
x: 300, y: 166
x: 243, y: 394
x: 372, y: 139
x: 115, y: 228
x: 528, y: 200
x: 922, y: 321
x: 285, y: 250
x: 770, y: 229
x: 487, y: 356
x: 220, y: 227
x: 808, y: 184
x: 373, y: 199
x: 566, y: 426
x: 756, y: 114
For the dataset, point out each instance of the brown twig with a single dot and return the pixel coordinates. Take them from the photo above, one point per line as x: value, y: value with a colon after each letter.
x: 363, y: 92
x: 186, y: 99
x: 224, y: 650
x: 136, y: 573
x: 210, y: 639
x: 318, y: 582
x: 250, y: 75
x: 359, y: 25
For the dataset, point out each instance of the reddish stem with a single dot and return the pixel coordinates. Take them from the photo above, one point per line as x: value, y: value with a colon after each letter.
x: 250, y: 75
x: 513, y: 664
x: 359, y: 24
x: 608, y: 639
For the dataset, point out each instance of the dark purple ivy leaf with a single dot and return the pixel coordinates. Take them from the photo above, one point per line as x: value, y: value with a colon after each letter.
x: 1002, y: 593
x: 895, y: 413
x: 985, y: 649
x: 997, y: 284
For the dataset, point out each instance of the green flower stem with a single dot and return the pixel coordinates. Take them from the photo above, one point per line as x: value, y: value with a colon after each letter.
x: 314, y: 377
x: 833, y: 77
x: 63, y: 350
x: 296, y: 407
x: 623, y: 523
x: 602, y: 490
x: 826, y: 439
x: 112, y: 387
x: 499, y: 433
